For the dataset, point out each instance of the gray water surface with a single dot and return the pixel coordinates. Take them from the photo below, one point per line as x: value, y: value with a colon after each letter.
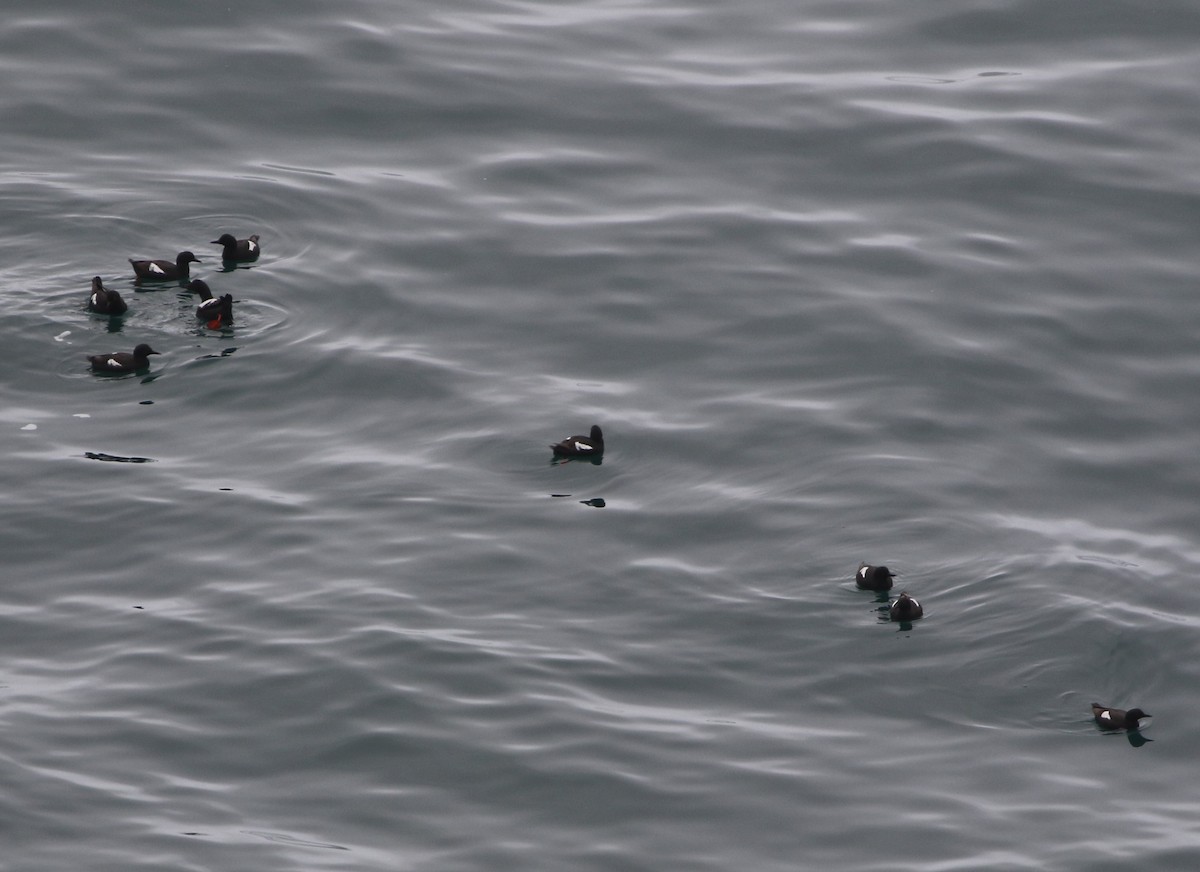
x: 911, y: 284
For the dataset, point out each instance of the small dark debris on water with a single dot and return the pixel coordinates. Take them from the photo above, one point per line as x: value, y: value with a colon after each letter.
x: 116, y: 458
x: 596, y: 502
x: 139, y: 607
x: 146, y: 403
x: 560, y: 495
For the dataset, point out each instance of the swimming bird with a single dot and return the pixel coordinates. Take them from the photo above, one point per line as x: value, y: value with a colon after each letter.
x: 105, y: 302
x: 591, y: 445
x: 905, y: 608
x: 1117, y: 719
x: 238, y: 250
x: 163, y: 270
x: 874, y: 577
x: 217, y: 311
x: 123, y: 361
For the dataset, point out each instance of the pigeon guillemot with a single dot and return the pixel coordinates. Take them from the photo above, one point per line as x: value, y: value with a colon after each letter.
x: 1117, y: 719
x: 163, y: 270
x: 217, y: 311
x: 238, y: 250
x: 874, y: 577
x: 905, y: 608
x: 123, y: 361
x: 104, y: 301
x: 591, y: 445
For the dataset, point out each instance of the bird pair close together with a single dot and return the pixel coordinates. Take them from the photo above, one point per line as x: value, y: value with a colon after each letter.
x: 215, y: 311
x: 234, y: 250
x: 904, y: 608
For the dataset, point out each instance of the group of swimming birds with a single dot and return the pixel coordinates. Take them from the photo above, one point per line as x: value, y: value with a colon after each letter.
x: 215, y: 312
x: 905, y: 608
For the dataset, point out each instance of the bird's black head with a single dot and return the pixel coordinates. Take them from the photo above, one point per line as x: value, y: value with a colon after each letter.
x: 199, y: 286
x: 595, y: 433
x: 143, y: 350
x: 226, y: 239
x: 1135, y: 715
x: 187, y: 257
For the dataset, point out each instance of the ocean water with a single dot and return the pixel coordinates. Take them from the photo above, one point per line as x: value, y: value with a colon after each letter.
x: 906, y: 283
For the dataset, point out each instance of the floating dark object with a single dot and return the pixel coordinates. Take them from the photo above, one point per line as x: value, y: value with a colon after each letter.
x: 874, y: 577
x: 104, y: 301
x: 217, y: 312
x: 1117, y: 719
x: 591, y: 445
x: 122, y: 362
x: 163, y: 270
x: 238, y: 250
x: 905, y: 608
x: 115, y: 458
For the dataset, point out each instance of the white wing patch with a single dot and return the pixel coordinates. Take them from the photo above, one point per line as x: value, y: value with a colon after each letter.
x: 582, y: 446
x: 94, y: 298
x: 114, y: 363
x: 156, y: 268
x: 862, y: 572
x: 1106, y: 716
x: 252, y: 245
